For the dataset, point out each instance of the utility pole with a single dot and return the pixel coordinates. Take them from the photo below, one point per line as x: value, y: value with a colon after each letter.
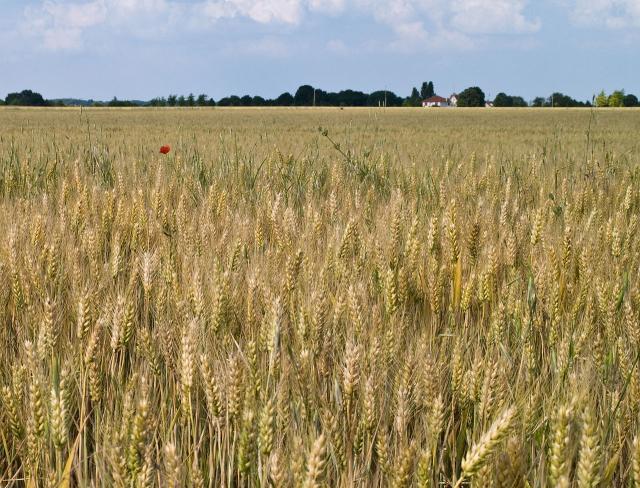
x: 314, y: 97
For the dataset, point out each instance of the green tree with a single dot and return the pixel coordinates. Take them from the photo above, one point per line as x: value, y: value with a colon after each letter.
x: 538, y: 102
x: 284, y: 100
x: 427, y: 90
x: 381, y: 97
x: 232, y: 101
x: 26, y: 98
x: 616, y: 99
x: 201, y: 101
x: 191, y: 100
x: 602, y: 100
x: 471, y: 97
x: 182, y: 102
x: 172, y: 100
x: 503, y: 100
x: 414, y: 99
x: 304, y: 96
x: 558, y: 99
x: 630, y: 100
x: 258, y: 101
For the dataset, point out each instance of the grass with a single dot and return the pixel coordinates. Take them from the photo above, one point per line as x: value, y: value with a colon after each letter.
x: 324, y: 297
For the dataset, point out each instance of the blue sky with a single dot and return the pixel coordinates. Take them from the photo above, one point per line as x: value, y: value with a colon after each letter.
x: 145, y: 48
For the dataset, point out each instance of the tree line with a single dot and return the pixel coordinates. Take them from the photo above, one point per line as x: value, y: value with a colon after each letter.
x: 307, y: 95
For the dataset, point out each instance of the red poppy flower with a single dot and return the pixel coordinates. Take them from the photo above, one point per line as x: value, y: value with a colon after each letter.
x: 165, y: 149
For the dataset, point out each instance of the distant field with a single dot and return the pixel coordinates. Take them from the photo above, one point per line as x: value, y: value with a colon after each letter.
x: 320, y: 297
x: 403, y: 132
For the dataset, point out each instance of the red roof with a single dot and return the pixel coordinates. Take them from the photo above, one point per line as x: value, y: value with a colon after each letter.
x: 436, y: 99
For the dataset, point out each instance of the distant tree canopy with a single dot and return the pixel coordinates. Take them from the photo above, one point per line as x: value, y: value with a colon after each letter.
x: 427, y: 90
x: 616, y: 99
x: 284, y: 100
x: 26, y: 98
x: 383, y: 98
x: 538, y: 102
x: 471, y: 97
x: 602, y: 100
x: 504, y: 100
x: 630, y: 100
x: 121, y: 103
x: 307, y: 95
x: 558, y: 99
x: 414, y: 99
x: 232, y: 101
x: 304, y: 96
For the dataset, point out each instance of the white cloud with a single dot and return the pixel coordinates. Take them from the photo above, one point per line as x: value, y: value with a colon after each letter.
x: 613, y: 14
x: 492, y: 16
x: 60, y: 25
x: 263, y: 11
x: 328, y: 6
x: 454, y: 24
x: 416, y: 24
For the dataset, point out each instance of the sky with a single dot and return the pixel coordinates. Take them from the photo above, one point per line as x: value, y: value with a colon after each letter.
x: 140, y: 49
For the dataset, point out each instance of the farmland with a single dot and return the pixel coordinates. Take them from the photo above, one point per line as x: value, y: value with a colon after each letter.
x: 319, y: 297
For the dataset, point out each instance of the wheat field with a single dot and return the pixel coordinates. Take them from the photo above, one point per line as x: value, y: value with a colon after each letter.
x: 319, y: 298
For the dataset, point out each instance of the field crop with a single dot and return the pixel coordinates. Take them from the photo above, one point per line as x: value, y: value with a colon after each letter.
x: 319, y: 298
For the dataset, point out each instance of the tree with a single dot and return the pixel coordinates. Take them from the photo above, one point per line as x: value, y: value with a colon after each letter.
x: 383, y: 98
x: 182, y: 102
x: 232, y: 101
x: 427, y: 90
x: 503, y: 100
x: 538, y: 102
x: 172, y: 100
x: 304, y: 96
x: 602, y: 100
x: 348, y: 98
x: 284, y: 100
x: 471, y: 97
x: 191, y: 100
x: 561, y: 100
x: 630, y: 100
x: 616, y: 99
x: 414, y: 99
x: 26, y: 98
x: 258, y: 101
x: 201, y: 101
x: 518, y: 102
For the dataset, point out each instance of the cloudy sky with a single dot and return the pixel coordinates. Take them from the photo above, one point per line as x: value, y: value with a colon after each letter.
x: 145, y: 48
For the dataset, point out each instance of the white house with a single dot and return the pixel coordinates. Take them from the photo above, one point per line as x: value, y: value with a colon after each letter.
x: 453, y: 100
x: 435, y: 101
